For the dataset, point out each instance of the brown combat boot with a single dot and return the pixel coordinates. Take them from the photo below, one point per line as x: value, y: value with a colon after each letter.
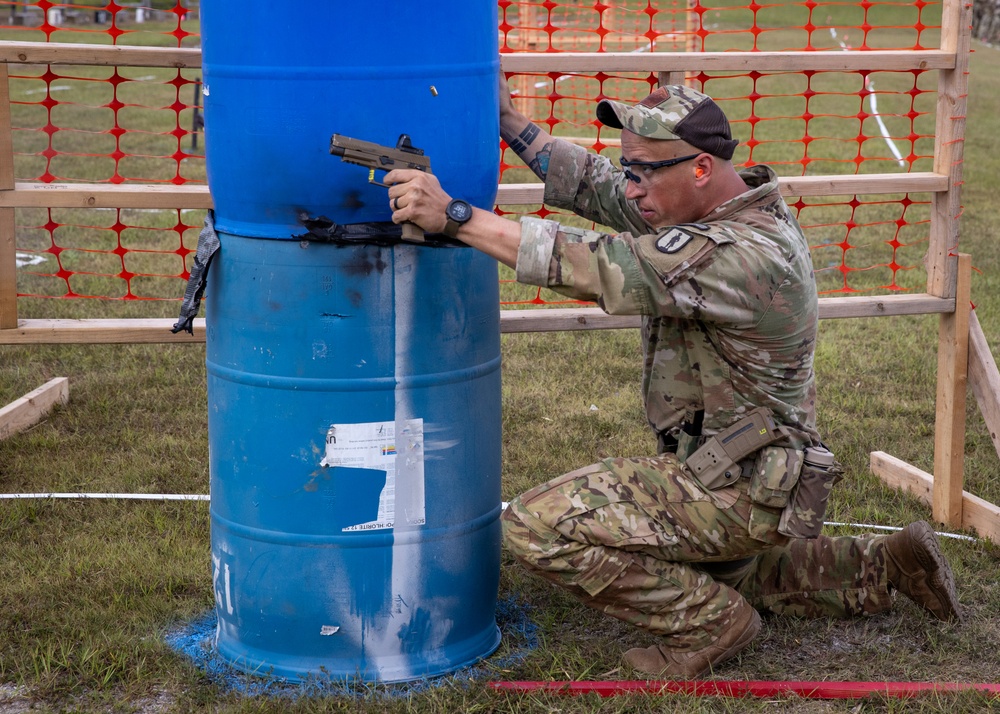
x: 669, y: 663
x: 916, y: 567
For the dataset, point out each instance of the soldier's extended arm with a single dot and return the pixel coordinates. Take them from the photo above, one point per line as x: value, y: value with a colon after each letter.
x: 383, y: 158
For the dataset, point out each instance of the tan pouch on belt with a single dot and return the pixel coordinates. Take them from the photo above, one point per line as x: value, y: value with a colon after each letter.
x: 774, y: 476
x: 803, y: 516
x: 775, y: 473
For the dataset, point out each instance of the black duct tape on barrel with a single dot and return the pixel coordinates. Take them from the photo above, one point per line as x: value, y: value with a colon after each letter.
x: 320, y: 229
x: 323, y: 230
x: 208, y: 245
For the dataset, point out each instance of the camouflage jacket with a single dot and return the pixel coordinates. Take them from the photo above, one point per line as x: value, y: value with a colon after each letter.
x: 729, y: 303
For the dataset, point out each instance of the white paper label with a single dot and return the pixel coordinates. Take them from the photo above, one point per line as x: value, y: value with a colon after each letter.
x: 376, y: 445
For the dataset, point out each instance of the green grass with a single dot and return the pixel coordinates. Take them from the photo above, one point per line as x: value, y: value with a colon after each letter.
x: 90, y: 588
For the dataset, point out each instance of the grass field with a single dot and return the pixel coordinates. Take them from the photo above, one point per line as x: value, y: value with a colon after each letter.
x: 90, y: 590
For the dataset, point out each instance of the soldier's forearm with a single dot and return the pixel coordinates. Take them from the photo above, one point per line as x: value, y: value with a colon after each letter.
x: 494, y: 235
x: 529, y: 141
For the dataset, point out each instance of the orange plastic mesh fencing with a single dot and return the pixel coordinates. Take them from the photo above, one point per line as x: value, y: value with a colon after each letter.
x: 142, y: 125
x: 92, y: 124
x: 800, y: 123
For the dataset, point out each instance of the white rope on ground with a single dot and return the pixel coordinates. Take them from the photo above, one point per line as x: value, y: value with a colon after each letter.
x: 881, y: 124
x: 65, y: 88
x: 868, y: 526
x: 123, y: 496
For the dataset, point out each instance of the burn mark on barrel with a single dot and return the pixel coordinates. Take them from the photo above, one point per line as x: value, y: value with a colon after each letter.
x: 352, y: 201
x: 366, y: 264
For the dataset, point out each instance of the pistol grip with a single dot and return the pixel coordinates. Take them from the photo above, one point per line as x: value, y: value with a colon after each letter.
x: 412, y: 233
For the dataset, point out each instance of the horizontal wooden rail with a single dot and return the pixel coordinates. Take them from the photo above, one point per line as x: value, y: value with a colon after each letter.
x: 99, y: 195
x: 88, y: 195
x: 829, y: 60
x: 102, y: 55
x: 157, y: 330
x: 849, y: 185
x: 869, y: 306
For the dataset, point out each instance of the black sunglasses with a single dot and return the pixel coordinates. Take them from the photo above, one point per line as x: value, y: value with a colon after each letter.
x: 649, y: 166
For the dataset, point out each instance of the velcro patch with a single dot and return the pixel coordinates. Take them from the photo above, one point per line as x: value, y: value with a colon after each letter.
x: 679, y: 248
x: 673, y: 240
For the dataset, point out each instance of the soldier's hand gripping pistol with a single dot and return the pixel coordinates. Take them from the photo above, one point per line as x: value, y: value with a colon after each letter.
x: 384, y: 158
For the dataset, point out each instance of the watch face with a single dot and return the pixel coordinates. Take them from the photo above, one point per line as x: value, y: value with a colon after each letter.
x: 460, y: 211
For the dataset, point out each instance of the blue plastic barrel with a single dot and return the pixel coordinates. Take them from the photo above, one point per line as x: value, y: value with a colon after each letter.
x: 280, y: 79
x: 353, y: 390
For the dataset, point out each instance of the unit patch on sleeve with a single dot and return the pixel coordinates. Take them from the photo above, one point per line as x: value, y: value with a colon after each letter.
x: 673, y: 240
x: 679, y: 248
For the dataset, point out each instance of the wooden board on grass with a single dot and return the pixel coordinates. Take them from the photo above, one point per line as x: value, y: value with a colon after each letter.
x: 33, y: 406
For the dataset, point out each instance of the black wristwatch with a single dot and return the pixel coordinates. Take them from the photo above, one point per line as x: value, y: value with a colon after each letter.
x: 458, y: 212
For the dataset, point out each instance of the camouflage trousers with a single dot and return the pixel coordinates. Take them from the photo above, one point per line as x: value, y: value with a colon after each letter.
x: 641, y: 540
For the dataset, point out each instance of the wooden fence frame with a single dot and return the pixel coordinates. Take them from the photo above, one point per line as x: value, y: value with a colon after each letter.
x: 948, y: 272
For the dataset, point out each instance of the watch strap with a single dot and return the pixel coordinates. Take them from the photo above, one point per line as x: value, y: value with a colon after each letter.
x: 451, y: 227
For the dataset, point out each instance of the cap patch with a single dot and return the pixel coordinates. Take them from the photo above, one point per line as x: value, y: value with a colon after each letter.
x: 673, y: 240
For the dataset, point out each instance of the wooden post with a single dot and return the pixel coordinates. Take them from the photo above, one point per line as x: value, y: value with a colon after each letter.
x: 953, y: 86
x: 949, y: 426
x: 8, y: 230
x: 947, y: 276
x: 671, y: 78
x: 692, y: 23
x: 688, y: 31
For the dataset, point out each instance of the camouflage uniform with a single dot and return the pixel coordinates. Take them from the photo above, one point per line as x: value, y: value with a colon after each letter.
x: 730, y: 320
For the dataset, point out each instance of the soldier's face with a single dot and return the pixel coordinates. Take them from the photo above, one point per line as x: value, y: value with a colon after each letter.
x: 664, y: 196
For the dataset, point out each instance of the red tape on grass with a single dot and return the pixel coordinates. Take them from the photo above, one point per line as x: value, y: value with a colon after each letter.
x: 723, y: 688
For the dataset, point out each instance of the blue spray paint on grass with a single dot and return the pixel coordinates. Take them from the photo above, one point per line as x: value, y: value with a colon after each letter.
x: 195, y: 640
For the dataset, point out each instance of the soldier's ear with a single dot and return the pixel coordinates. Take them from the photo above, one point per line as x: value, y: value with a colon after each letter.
x: 702, y: 167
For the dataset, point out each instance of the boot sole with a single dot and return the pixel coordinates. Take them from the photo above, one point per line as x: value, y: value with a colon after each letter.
x: 939, y: 576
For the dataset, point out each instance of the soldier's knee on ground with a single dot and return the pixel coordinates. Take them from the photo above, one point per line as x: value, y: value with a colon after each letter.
x: 518, y: 537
